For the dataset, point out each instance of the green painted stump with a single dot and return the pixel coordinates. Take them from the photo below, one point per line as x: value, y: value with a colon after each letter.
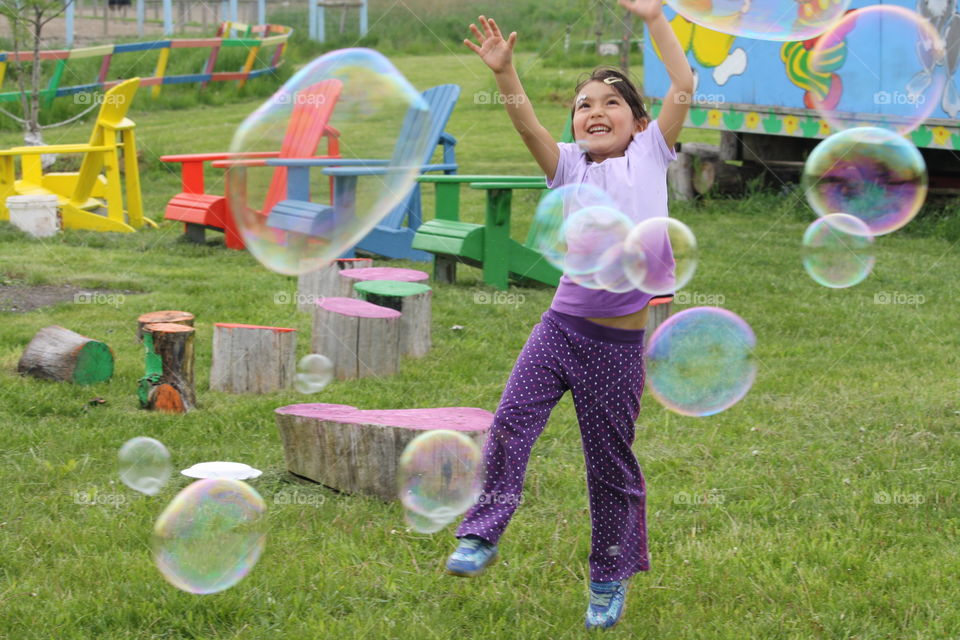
x: 412, y: 300
x: 56, y: 353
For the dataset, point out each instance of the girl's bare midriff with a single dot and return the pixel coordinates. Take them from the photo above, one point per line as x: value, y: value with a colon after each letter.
x: 636, y: 320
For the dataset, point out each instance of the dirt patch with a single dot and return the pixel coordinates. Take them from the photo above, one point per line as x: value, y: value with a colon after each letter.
x: 23, y: 298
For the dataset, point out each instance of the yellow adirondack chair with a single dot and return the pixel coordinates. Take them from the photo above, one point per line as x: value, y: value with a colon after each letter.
x: 80, y: 193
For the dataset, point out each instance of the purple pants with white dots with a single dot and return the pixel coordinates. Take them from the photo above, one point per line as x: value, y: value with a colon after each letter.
x: 603, y: 368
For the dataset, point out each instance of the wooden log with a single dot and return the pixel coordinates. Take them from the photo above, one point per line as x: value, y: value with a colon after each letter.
x: 168, y: 384
x: 252, y: 359
x: 659, y: 311
x: 57, y: 353
x: 358, y: 451
x: 412, y: 300
x: 156, y: 317
x: 730, y: 146
x: 701, y: 150
x: 325, y: 282
x: 680, y: 178
x: 361, y: 339
x: 353, y: 276
x: 721, y: 178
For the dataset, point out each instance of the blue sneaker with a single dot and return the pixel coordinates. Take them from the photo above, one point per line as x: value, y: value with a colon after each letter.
x: 471, y: 557
x: 607, y: 602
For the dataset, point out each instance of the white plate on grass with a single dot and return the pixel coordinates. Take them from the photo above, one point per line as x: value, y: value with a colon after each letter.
x: 220, y: 469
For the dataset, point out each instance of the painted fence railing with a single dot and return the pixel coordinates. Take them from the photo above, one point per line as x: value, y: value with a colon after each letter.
x: 254, y: 38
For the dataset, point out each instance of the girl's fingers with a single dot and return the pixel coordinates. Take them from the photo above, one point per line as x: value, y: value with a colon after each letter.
x: 476, y: 32
x: 496, y: 29
x: 486, y: 26
x: 512, y: 40
x: 472, y: 46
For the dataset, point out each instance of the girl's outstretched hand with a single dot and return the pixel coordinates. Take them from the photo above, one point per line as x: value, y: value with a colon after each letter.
x: 495, y: 52
x: 646, y: 9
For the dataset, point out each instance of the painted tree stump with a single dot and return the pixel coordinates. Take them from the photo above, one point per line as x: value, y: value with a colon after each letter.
x: 57, y: 353
x: 155, y: 317
x: 659, y: 311
x: 361, y: 339
x: 252, y: 359
x: 358, y: 451
x: 325, y: 282
x: 168, y: 384
x: 352, y: 276
x: 412, y: 300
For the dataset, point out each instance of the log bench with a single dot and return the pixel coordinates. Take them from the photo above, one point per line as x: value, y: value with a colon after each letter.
x: 361, y: 339
x: 412, y: 300
x: 357, y: 451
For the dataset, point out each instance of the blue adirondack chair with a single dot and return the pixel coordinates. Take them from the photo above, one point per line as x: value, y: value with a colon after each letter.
x: 391, y: 237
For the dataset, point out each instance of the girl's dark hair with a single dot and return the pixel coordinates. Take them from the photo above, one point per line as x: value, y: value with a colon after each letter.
x: 621, y: 85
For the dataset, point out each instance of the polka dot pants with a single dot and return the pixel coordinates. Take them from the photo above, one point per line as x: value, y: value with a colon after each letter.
x: 603, y: 368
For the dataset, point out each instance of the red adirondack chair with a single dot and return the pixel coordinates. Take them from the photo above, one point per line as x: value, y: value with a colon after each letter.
x: 308, y: 125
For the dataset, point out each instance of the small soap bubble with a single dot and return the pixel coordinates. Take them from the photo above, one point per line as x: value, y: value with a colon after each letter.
x: 838, y: 251
x: 440, y: 474
x: 145, y: 465
x: 314, y: 373
x: 660, y: 255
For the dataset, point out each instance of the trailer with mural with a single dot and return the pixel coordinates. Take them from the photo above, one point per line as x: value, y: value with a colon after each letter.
x: 761, y: 95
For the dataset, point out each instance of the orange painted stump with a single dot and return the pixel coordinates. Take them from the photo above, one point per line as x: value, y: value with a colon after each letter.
x: 252, y: 359
x: 174, y: 317
x: 325, y: 282
x: 168, y: 384
x: 358, y: 451
x: 350, y: 277
x: 361, y: 339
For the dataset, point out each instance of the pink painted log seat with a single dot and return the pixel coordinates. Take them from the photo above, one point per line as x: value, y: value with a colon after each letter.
x: 350, y: 277
x: 357, y: 451
x: 361, y: 339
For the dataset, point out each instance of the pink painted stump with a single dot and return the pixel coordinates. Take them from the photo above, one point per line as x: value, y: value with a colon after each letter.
x: 325, y: 282
x: 357, y: 451
x: 249, y: 358
x: 361, y: 339
x: 350, y: 277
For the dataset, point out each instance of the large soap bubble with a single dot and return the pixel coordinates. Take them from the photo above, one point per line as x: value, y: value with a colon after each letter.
x: 356, y: 106
x: 210, y: 535
x: 883, y: 55
x: 763, y: 19
x: 555, y: 207
x: 439, y: 476
x: 660, y: 255
x: 867, y: 172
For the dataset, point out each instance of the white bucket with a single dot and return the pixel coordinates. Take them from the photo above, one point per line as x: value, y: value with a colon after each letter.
x: 37, y: 215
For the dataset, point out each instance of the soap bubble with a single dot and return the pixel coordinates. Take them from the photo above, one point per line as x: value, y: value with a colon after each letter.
x: 700, y: 361
x: 660, y: 255
x: 593, y: 237
x: 838, y: 251
x: 210, y: 535
x: 886, y: 55
x: 867, y: 172
x: 546, y: 232
x: 786, y: 20
x: 145, y: 465
x: 425, y: 524
x: 369, y: 112
x: 314, y: 373
x: 440, y: 474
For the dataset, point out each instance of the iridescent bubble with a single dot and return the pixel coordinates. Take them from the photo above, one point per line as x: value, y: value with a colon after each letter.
x: 440, y: 474
x: 314, y: 373
x: 350, y: 103
x: 700, y: 361
x: 593, y: 236
x: 867, y: 172
x: 546, y: 233
x: 885, y: 55
x: 210, y: 535
x: 424, y: 524
x: 145, y: 465
x: 660, y: 255
x: 838, y: 251
x: 763, y: 19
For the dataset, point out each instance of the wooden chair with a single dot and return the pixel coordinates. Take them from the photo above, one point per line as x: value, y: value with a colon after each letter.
x: 308, y: 125
x: 80, y: 194
x: 391, y: 237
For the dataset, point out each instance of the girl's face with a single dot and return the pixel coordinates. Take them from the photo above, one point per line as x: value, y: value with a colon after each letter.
x: 603, y: 123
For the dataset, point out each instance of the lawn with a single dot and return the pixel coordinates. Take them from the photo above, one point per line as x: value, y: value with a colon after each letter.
x: 823, y: 505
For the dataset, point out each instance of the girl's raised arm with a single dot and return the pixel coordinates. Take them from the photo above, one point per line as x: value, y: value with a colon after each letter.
x: 677, y: 101
x: 497, y: 54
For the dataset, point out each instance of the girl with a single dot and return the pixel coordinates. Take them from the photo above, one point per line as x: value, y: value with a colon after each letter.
x: 589, y: 341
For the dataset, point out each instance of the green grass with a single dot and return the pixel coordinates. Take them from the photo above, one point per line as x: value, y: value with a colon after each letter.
x: 854, y: 399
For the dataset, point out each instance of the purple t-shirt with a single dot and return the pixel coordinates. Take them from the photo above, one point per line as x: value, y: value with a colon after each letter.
x: 637, y: 182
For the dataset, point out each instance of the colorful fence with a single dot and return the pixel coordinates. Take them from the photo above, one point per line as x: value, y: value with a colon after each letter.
x: 253, y: 38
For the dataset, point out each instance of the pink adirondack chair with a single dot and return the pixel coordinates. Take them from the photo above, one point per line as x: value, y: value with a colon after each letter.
x: 199, y: 210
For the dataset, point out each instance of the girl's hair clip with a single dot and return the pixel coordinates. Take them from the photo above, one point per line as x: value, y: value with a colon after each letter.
x: 611, y: 80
